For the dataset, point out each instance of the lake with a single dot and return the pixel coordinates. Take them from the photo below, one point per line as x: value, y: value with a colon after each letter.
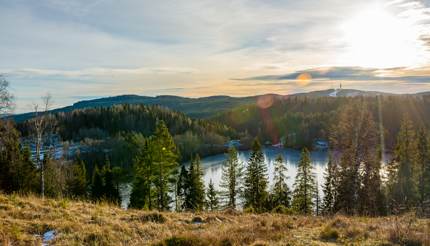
x: 212, y: 167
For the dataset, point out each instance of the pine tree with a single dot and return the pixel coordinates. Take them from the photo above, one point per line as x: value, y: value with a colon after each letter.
x: 110, y: 190
x: 232, y: 174
x: 97, y: 185
x: 76, y: 184
x: 142, y: 194
x: 317, y: 199
x: 404, y: 193
x: 17, y: 172
x: 164, y: 160
x: 355, y: 136
x: 194, y: 197
x: 211, y: 197
x: 329, y: 188
x: 371, y: 196
x: 255, y: 185
x: 424, y: 167
x: 181, y: 188
x: 281, y: 194
x: 304, y: 185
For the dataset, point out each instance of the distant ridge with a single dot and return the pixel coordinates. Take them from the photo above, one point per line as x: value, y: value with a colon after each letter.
x: 202, y: 107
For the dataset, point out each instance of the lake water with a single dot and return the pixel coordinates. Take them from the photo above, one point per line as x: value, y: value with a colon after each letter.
x: 212, y: 165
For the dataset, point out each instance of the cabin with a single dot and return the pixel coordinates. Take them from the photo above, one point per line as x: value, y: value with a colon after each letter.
x: 320, y: 144
x: 233, y: 143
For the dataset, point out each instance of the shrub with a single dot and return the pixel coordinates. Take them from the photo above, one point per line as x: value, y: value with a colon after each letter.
x: 249, y: 210
x: 182, y: 241
x: 329, y: 234
x: 281, y: 209
x: 153, y: 217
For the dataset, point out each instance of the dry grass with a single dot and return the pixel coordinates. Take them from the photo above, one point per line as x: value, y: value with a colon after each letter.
x: 24, y: 219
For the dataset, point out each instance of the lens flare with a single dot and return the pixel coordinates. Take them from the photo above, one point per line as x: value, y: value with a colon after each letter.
x: 304, y: 79
x: 265, y: 101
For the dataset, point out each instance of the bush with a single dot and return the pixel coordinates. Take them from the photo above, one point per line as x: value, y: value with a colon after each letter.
x: 153, y: 217
x: 281, y: 209
x: 249, y: 210
x: 182, y: 241
x: 329, y: 234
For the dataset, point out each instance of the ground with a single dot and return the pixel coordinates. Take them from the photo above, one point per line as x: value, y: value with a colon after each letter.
x: 25, y: 219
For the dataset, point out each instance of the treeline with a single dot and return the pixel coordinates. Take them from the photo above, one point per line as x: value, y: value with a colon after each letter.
x: 298, y: 121
x: 356, y: 183
x: 109, y: 127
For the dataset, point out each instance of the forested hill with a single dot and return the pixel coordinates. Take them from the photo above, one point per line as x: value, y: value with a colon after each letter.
x: 298, y: 121
x: 110, y: 128
x: 202, y: 107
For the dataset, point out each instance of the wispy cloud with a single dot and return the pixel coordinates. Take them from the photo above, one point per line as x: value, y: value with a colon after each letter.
x: 407, y: 75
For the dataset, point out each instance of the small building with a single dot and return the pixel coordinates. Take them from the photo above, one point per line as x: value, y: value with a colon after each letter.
x: 320, y: 144
x: 233, y: 143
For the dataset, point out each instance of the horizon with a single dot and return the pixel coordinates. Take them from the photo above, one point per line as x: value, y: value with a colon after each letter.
x: 81, y: 50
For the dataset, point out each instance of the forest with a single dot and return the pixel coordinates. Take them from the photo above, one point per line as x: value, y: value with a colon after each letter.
x: 147, y: 144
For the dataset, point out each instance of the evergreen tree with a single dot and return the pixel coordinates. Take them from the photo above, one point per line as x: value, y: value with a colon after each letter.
x: 110, y: 189
x: 211, y: 197
x: 194, y: 197
x: 142, y: 195
x: 355, y: 136
x: 232, y: 174
x: 17, y: 172
x: 97, y: 185
x: 371, y: 196
x: 404, y: 193
x: 181, y: 188
x: 255, y: 185
x: 304, y: 185
x: 317, y: 199
x: 424, y: 167
x: 330, y: 186
x: 76, y: 184
x: 164, y: 160
x: 281, y: 194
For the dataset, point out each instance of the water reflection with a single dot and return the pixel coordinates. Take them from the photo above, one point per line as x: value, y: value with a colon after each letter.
x: 212, y: 165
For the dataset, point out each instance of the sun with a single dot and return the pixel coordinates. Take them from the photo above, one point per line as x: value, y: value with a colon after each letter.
x: 380, y: 38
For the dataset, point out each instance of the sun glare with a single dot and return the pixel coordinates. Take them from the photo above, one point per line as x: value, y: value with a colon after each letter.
x: 379, y: 38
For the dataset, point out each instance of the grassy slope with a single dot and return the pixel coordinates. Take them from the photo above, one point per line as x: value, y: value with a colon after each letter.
x: 24, y: 219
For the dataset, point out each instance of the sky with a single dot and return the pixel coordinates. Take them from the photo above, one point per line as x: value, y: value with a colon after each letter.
x: 84, y: 49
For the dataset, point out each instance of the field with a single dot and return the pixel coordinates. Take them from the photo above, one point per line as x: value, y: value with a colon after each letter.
x: 24, y: 220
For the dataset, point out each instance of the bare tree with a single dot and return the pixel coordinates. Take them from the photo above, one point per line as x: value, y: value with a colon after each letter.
x: 6, y: 98
x: 43, y: 130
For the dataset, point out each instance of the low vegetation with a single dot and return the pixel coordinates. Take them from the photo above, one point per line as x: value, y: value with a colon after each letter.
x: 26, y: 218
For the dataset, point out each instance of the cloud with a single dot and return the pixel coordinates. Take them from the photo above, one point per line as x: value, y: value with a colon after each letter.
x: 408, y: 75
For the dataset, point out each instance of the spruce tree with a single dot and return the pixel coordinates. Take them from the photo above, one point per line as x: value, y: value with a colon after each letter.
x: 232, y: 174
x: 255, y: 181
x: 211, y: 197
x: 76, y: 184
x: 304, y: 185
x: 424, y: 167
x: 329, y: 187
x: 110, y: 190
x: 195, y: 196
x: 181, y: 188
x: 97, y: 185
x: 164, y: 160
x: 404, y: 193
x: 355, y: 136
x: 281, y: 194
x: 317, y: 199
x: 142, y: 194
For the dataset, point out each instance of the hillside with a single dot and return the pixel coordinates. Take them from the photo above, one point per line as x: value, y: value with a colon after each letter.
x: 202, y: 107
x: 24, y: 221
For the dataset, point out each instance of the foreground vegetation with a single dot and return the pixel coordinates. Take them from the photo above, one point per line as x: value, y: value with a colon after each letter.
x: 26, y: 218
